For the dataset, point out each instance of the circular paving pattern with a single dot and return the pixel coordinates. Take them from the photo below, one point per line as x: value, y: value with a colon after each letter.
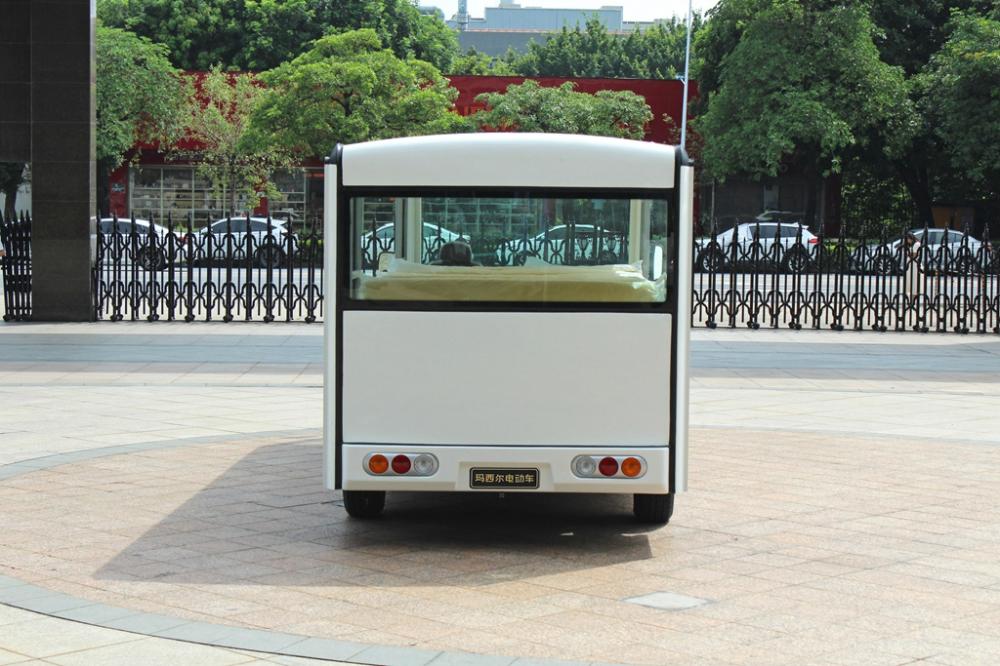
x: 802, y: 545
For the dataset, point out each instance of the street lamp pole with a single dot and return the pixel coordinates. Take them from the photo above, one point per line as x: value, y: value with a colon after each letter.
x: 687, y: 65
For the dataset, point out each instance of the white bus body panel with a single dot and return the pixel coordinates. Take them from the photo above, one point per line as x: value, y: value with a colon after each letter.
x: 553, y: 465
x: 683, y: 341
x: 497, y: 159
x: 533, y: 379
x: 329, y: 325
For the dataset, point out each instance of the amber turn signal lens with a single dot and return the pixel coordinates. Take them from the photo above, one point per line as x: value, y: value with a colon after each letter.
x: 631, y: 467
x: 378, y: 464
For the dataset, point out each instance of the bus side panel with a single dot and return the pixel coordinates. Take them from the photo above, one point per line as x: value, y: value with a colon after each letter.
x: 683, y: 342
x: 506, y: 378
x: 330, y: 326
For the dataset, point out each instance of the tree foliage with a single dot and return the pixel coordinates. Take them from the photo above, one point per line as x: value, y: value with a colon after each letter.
x: 800, y: 84
x: 529, y: 107
x: 348, y: 88
x: 960, y: 95
x: 140, y: 95
x: 238, y: 166
x: 476, y: 63
x: 656, y: 52
x: 253, y: 35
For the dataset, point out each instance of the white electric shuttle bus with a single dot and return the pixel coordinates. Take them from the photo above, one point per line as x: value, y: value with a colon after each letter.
x: 507, y: 313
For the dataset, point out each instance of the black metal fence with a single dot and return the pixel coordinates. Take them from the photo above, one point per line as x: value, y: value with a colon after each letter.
x: 250, y: 269
x: 783, y: 276
x: 752, y: 275
x: 15, y: 239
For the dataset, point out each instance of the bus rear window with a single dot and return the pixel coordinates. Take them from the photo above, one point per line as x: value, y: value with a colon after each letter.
x: 509, y: 249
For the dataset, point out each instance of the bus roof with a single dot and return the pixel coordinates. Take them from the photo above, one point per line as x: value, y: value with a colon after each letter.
x: 509, y: 159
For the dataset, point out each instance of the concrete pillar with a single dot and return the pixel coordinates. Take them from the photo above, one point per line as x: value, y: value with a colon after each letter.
x: 63, y: 184
x: 15, y: 81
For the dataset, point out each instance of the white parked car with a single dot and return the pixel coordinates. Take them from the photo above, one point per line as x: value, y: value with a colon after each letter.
x: 550, y: 246
x: 755, y: 242
x: 383, y: 241
x: 119, y: 246
x: 268, y: 241
x: 947, y: 250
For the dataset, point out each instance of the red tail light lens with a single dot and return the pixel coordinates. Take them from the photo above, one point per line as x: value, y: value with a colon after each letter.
x: 813, y: 241
x: 400, y: 464
x: 608, y: 466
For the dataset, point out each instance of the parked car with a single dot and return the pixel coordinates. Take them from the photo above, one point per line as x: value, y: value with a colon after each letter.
x: 551, y: 245
x: 383, y: 241
x: 268, y: 240
x: 946, y: 250
x: 716, y: 254
x: 119, y: 245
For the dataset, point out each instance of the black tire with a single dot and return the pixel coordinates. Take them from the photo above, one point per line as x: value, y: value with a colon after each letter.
x: 885, y: 265
x: 711, y: 261
x: 796, y: 261
x: 151, y: 260
x: 364, y: 504
x: 966, y: 266
x: 607, y: 257
x: 653, y: 509
x: 269, y: 256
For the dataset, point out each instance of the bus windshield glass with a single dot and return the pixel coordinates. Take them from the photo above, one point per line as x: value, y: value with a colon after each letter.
x: 517, y: 248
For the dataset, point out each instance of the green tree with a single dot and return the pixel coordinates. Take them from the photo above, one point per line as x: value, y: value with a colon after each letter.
x: 656, y: 52
x: 253, y: 35
x: 237, y: 164
x: 802, y: 85
x: 476, y: 63
x: 348, y: 88
x: 140, y: 98
x: 529, y: 107
x: 960, y: 95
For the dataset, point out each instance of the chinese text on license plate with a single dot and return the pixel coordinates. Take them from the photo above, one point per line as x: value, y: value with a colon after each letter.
x: 480, y: 477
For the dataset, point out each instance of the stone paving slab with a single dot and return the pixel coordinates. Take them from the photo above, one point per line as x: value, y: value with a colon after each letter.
x: 804, y: 545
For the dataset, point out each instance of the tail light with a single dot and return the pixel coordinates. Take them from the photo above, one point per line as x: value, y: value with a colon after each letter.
x: 402, y: 464
x: 814, y: 241
x: 609, y: 467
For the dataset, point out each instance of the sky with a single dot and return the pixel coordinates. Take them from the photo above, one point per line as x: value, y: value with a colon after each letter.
x: 635, y: 10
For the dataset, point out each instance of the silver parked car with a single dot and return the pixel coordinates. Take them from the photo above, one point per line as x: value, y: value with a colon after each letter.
x: 231, y: 238
x: 755, y: 242
x: 590, y: 244
x: 945, y: 250
x: 147, y: 243
x: 382, y: 241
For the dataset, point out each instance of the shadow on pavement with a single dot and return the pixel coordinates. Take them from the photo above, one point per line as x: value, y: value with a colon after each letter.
x: 267, y: 520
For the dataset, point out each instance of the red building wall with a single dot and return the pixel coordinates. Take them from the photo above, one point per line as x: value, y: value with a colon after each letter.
x: 665, y: 99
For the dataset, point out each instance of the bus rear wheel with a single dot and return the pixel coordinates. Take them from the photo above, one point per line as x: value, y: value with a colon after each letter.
x: 364, y: 503
x: 655, y: 509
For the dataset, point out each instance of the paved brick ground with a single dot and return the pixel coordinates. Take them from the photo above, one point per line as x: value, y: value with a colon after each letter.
x: 843, y: 510
x: 808, y: 548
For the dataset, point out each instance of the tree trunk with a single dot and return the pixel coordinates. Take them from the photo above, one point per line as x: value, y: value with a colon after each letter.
x: 813, y: 185
x: 917, y: 182
x: 104, y: 188
x: 11, y: 179
x: 10, y: 201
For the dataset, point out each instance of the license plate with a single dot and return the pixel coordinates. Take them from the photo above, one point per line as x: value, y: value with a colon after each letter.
x: 502, y: 478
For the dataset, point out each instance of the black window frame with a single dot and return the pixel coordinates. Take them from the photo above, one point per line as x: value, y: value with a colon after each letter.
x: 347, y: 302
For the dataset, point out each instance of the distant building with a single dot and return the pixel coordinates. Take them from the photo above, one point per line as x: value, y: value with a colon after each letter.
x: 512, y: 16
x: 512, y: 26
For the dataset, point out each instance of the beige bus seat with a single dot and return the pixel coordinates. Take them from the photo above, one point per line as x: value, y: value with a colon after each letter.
x: 408, y: 281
